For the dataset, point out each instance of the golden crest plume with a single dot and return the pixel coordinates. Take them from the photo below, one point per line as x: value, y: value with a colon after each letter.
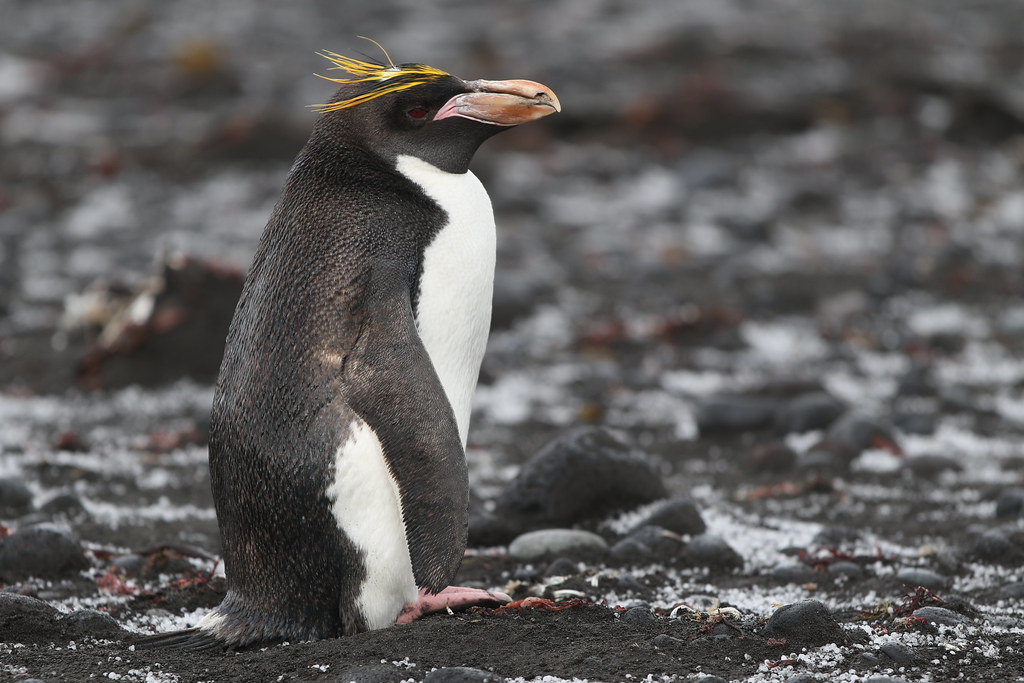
x: 382, y: 79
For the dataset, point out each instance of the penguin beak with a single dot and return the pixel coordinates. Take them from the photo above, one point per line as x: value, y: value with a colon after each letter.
x: 501, y: 103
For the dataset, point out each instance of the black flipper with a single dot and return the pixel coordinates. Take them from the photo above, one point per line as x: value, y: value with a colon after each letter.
x: 392, y: 385
x: 187, y: 639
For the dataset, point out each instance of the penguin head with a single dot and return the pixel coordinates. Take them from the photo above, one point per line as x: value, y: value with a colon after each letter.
x: 417, y: 110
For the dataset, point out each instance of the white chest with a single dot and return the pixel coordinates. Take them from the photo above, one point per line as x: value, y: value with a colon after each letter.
x: 457, y: 282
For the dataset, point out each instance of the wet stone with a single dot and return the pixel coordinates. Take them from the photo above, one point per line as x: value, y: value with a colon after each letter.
x: 582, y: 474
x: 940, y: 615
x: 792, y: 573
x: 15, y: 498
x: 88, y: 622
x: 462, y: 674
x: 731, y: 414
x: 708, y: 550
x: 922, y: 577
x: 808, y: 412
x: 638, y: 616
x: 899, y: 653
x: 807, y: 622
x: 1010, y: 503
x: 679, y: 515
x: 548, y: 542
x: 39, y: 551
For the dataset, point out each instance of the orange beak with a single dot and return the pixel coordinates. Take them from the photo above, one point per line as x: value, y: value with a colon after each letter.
x: 501, y: 103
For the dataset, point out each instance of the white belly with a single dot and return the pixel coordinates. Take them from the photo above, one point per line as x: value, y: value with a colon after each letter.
x: 456, y: 286
x: 367, y: 507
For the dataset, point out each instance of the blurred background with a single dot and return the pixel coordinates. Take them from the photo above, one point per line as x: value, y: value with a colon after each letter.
x: 715, y: 160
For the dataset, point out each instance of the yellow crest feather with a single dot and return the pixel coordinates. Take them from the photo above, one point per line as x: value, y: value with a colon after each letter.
x: 382, y: 79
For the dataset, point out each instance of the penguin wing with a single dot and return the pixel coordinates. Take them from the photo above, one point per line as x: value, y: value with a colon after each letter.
x: 392, y: 385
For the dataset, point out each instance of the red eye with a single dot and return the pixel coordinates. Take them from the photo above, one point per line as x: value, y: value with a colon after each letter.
x: 417, y: 113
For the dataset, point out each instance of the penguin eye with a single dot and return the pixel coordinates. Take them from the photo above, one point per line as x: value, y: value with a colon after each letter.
x: 416, y: 113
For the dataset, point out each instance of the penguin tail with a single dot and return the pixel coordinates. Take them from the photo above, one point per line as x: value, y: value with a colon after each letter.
x: 188, y: 639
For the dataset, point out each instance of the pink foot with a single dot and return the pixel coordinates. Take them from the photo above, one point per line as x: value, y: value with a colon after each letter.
x: 450, y: 597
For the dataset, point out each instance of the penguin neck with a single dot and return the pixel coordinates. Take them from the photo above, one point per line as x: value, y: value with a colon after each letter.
x: 453, y: 310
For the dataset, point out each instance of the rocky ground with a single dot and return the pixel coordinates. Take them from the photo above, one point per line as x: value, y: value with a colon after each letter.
x: 753, y: 403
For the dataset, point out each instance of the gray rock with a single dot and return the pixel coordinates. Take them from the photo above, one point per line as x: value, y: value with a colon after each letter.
x: 638, y: 616
x: 806, y: 623
x: 808, y: 412
x: 547, y: 542
x: 931, y: 465
x: 899, y: 653
x: 802, y: 678
x: 708, y: 550
x: 41, y: 552
x: 855, y: 432
x: 916, y: 422
x: 793, y: 573
x: 462, y: 674
x: 885, y: 679
x: 679, y: 515
x: 1014, y: 591
x: 731, y: 414
x: 844, y: 568
x: 88, y: 622
x: 15, y: 498
x: 561, y: 566
x: 25, y: 619
x: 665, y: 641
x: 64, y: 506
x: 630, y: 549
x: 940, y: 615
x: 130, y: 564
x: 836, y: 536
x: 583, y: 474
x: 996, y: 546
x: 922, y: 577
x: 658, y: 541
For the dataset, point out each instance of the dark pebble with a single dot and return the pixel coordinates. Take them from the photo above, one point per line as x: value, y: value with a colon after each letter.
x: 88, y: 622
x: 855, y: 432
x: 1010, y: 503
x: 657, y: 540
x: 916, y: 422
x: 462, y: 674
x: 631, y: 550
x: 64, y: 506
x: 638, y: 616
x: 793, y: 573
x: 666, y: 641
x: 712, y: 551
x: 1014, y: 591
x: 899, y: 653
x: 25, y: 619
x: 931, y: 465
x: 561, y: 566
x: 922, y: 577
x: 374, y: 673
x: 919, y: 380
x: 806, y: 623
x: 940, y: 615
x: 773, y: 457
x: 836, y: 536
x: 808, y: 412
x: 593, y: 661
x: 41, y: 552
x: 583, y: 474
x: 130, y: 564
x: 679, y: 515
x: 731, y: 414
x: 867, y: 660
x: 629, y: 585
x: 15, y: 498
x: 995, y: 546
x: 802, y: 678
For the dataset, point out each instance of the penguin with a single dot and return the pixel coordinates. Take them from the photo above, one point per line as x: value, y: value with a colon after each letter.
x: 341, y: 411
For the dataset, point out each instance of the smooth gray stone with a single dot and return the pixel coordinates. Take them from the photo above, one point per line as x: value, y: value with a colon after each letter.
x: 922, y: 577
x: 537, y: 544
x: 940, y: 615
x: 807, y: 622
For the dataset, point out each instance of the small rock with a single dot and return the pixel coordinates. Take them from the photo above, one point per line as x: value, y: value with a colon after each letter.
x: 88, y: 622
x: 708, y: 550
x: 582, y: 474
x: 666, y: 641
x: 638, y: 616
x: 931, y: 465
x: 899, y: 653
x: 772, y: 457
x: 885, y: 679
x: 731, y: 414
x: 561, y: 566
x: 1010, y: 503
x: 130, y: 564
x: 711, y: 679
x: 657, y: 540
x: 844, y: 568
x: 25, y: 619
x: 1014, y: 591
x: 629, y: 549
x: 793, y: 573
x: 593, y: 661
x: 807, y: 622
x: 836, y: 536
x: 940, y: 615
x: 462, y: 674
x: 64, y: 506
x: 996, y: 547
x: 922, y: 577
x: 916, y: 422
x: 856, y: 432
x: 41, y: 552
x: 15, y: 498
x: 679, y: 515
x: 802, y: 678
x: 808, y: 412
x: 919, y: 380
x: 546, y: 542
x: 374, y: 673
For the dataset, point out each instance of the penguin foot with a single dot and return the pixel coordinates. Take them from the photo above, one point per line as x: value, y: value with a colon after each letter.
x: 452, y: 597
